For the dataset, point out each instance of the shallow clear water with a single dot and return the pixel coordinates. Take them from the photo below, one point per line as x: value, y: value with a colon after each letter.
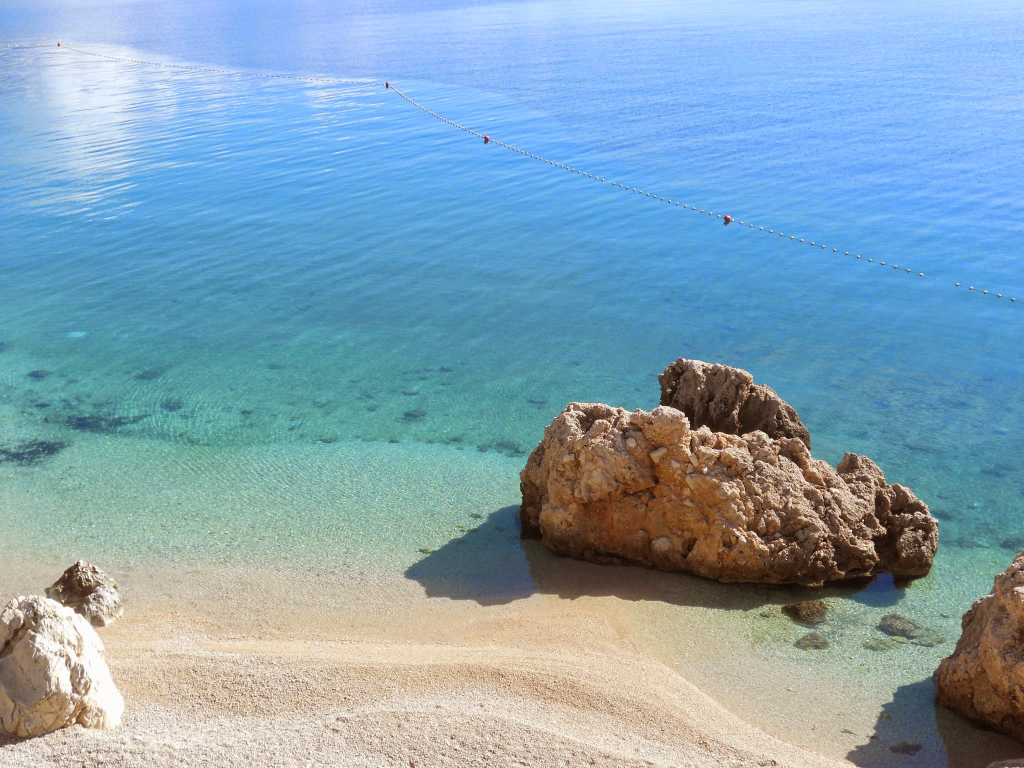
x: 282, y: 320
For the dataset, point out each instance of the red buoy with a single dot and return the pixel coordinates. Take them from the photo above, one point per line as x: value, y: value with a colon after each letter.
x: 487, y: 139
x: 727, y: 219
x: 58, y: 43
x: 387, y: 84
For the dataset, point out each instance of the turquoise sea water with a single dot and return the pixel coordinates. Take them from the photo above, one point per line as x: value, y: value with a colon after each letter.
x: 261, y: 319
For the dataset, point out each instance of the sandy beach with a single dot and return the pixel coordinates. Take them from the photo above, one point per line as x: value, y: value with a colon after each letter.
x: 235, y: 668
x: 399, y: 682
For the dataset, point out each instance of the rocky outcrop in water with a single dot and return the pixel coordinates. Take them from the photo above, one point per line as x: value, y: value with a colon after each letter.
x: 984, y: 678
x: 608, y: 485
x: 89, y: 591
x: 52, y: 672
x: 726, y: 399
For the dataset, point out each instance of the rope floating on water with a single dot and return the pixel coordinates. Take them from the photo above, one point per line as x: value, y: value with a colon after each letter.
x: 727, y: 219
x: 389, y: 86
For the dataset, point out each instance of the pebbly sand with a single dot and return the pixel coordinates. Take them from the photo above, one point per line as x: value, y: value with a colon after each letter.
x: 374, y: 676
x: 247, y: 668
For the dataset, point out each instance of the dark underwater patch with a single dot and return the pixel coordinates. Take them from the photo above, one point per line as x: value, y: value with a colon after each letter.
x: 507, y: 447
x: 39, y: 374
x: 101, y: 424
x: 31, y: 452
x: 149, y: 374
x: 997, y: 470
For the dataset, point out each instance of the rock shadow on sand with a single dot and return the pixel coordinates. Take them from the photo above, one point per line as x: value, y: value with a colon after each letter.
x: 492, y: 565
x: 914, y: 731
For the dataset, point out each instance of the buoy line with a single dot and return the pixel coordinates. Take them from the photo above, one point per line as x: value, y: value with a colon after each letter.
x: 726, y: 218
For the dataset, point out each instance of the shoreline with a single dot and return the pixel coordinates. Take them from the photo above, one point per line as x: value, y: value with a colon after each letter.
x: 341, y: 670
x: 373, y: 680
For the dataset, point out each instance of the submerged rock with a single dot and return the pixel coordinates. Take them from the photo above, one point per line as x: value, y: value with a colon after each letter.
x: 880, y: 643
x: 52, y: 673
x: 901, y: 627
x: 87, y: 590
x: 725, y: 399
x: 984, y: 676
x: 807, y: 611
x: 812, y: 641
x: 608, y: 485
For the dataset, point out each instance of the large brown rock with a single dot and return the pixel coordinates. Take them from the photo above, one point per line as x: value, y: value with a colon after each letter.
x: 984, y: 678
x: 726, y: 399
x: 608, y: 485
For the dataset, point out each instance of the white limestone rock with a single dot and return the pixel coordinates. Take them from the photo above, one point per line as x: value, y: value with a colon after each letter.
x: 52, y: 672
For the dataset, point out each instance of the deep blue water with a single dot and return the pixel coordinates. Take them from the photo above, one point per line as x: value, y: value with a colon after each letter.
x: 241, y: 290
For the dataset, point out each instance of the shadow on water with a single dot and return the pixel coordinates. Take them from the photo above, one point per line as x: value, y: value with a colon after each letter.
x: 488, y: 564
x: 492, y: 566
x: 940, y: 737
